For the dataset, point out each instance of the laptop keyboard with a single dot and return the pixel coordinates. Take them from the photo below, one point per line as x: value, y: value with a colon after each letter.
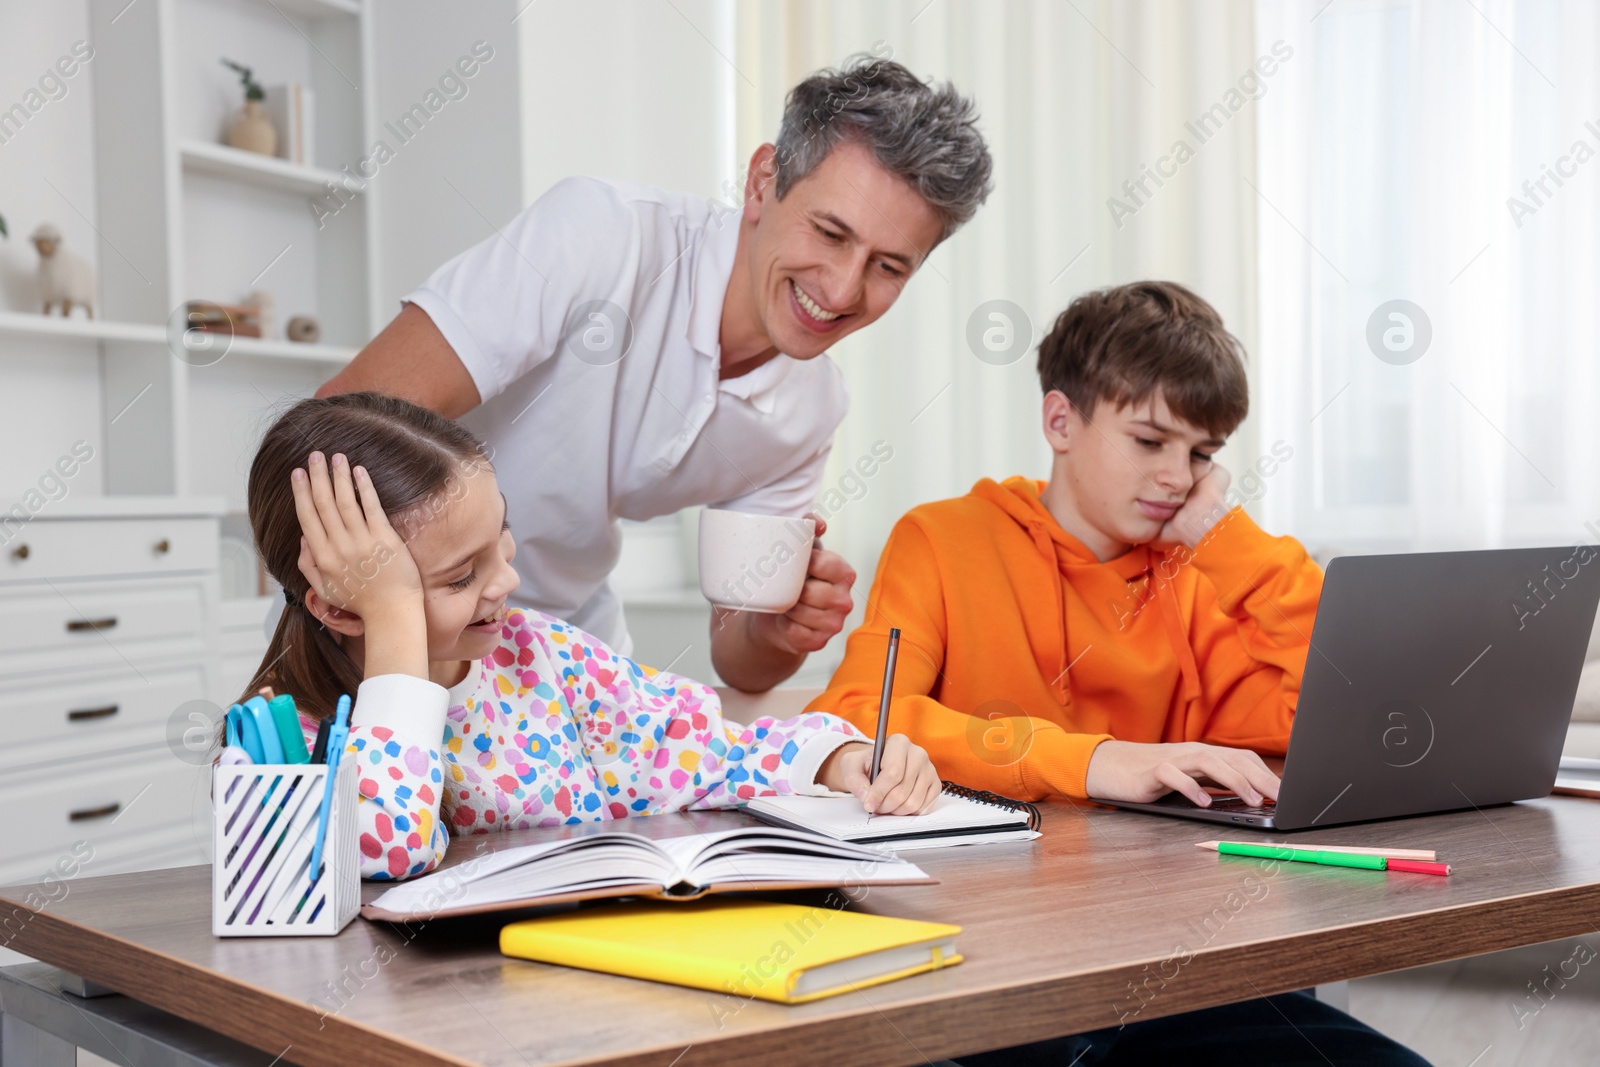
x: 1239, y: 807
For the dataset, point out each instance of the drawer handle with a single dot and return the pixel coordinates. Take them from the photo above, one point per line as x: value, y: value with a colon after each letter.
x: 163, y: 546
x: 83, y: 625
x: 80, y: 714
x: 20, y: 552
x: 95, y: 813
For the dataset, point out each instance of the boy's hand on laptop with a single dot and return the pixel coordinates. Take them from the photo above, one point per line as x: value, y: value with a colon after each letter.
x: 907, y: 783
x: 1127, y: 770
x: 1200, y: 511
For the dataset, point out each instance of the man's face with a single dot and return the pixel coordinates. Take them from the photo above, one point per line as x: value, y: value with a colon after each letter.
x: 835, y: 252
x: 1131, y: 467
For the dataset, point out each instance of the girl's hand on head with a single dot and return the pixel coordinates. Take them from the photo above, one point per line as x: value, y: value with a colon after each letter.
x: 907, y: 783
x: 349, y: 553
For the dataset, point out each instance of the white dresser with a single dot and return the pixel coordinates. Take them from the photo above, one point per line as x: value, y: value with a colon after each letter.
x: 109, y: 657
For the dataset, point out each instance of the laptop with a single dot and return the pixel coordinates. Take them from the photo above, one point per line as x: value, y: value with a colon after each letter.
x: 1436, y: 681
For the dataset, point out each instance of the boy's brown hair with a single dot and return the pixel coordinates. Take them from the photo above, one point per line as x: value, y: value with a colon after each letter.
x: 1129, y: 342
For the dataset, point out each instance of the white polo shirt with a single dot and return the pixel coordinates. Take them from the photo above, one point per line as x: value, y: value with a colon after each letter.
x: 593, y: 416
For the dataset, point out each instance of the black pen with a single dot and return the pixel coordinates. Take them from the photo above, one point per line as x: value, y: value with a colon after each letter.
x: 883, y: 704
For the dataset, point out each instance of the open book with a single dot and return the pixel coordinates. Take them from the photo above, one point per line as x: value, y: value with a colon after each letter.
x: 660, y: 857
x: 960, y: 816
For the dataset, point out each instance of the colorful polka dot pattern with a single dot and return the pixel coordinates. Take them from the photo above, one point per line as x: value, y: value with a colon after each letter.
x: 560, y: 729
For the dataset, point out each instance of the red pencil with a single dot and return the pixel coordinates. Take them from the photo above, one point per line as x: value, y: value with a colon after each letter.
x: 1418, y: 867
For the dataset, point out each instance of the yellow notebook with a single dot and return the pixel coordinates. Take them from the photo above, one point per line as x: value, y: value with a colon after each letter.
x: 788, y: 953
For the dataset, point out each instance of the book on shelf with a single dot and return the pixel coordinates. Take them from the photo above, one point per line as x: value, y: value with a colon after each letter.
x: 290, y: 107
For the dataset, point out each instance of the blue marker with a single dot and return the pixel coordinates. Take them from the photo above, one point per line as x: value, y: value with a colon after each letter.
x: 242, y: 733
x: 258, y: 714
x: 336, y: 739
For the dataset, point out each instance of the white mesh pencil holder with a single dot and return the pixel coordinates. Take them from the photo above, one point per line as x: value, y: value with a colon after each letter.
x: 264, y: 826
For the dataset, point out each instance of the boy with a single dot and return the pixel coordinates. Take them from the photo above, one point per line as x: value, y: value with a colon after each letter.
x: 1118, y: 631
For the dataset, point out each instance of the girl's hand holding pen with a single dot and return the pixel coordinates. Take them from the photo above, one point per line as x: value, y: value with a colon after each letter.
x: 358, y: 566
x: 907, y: 783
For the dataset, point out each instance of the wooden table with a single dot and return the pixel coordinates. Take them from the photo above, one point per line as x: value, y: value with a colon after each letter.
x: 1110, y: 915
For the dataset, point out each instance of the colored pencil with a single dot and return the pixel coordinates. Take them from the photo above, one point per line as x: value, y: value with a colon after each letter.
x: 1427, y: 855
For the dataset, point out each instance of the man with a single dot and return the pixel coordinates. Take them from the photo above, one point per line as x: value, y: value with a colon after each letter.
x: 628, y: 352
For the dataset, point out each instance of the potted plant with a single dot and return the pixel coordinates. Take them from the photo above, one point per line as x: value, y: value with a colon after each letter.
x: 251, y: 129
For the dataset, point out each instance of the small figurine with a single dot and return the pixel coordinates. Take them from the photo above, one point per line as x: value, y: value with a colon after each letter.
x: 64, y: 278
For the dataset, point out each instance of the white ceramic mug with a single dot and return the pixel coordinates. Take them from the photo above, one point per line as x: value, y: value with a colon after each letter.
x: 754, y: 562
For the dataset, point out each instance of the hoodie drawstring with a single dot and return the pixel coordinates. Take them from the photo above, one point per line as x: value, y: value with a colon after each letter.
x: 1047, y: 549
x: 1172, y: 620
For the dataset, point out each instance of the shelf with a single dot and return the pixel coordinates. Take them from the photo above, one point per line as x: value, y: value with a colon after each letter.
x: 257, y: 348
x: 253, y: 168
x: 25, y: 324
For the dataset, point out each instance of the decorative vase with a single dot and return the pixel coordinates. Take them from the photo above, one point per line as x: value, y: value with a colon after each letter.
x: 253, y: 131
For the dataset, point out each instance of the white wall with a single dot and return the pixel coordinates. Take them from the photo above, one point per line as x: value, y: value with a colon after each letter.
x: 46, y: 175
x: 461, y: 177
x: 621, y: 89
x: 46, y: 168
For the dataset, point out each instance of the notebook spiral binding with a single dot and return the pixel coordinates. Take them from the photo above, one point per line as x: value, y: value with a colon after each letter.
x: 983, y: 796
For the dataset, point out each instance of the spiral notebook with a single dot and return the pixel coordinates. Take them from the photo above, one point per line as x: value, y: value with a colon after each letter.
x: 961, y: 816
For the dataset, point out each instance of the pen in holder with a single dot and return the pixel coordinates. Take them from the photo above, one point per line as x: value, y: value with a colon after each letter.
x: 264, y: 826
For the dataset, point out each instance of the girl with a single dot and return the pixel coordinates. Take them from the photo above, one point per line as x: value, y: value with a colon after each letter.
x: 469, y: 716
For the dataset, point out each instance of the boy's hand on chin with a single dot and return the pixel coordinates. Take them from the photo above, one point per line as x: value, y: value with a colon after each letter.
x: 1200, y: 511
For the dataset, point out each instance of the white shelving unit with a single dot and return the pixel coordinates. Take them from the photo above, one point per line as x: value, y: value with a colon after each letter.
x: 180, y: 216
x: 211, y: 222
x: 133, y: 166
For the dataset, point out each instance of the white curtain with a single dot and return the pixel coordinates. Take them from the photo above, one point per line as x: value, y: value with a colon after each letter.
x: 1387, y: 170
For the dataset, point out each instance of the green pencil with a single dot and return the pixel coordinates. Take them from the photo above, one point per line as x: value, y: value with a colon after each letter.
x: 1304, y: 855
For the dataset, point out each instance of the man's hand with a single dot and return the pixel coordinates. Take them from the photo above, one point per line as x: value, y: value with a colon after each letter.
x: 754, y: 651
x: 1127, y: 770
x: 907, y: 783
x: 824, y: 603
x: 1201, y: 510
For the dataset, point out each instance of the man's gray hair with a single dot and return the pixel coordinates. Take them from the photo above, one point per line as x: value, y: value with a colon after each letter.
x: 925, y: 134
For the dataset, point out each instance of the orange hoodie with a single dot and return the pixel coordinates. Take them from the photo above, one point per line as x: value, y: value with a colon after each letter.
x: 1020, y: 652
